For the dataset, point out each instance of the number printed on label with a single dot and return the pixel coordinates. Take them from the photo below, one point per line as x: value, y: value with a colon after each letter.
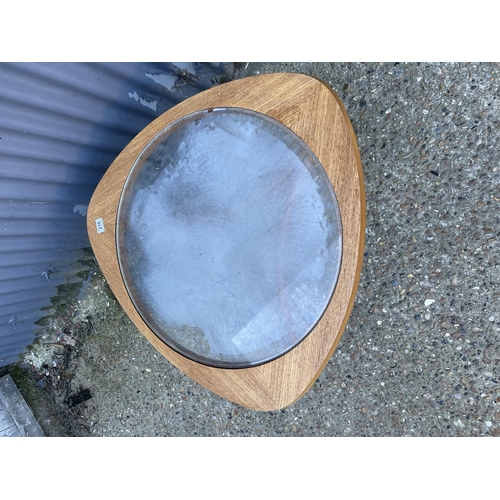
x: 100, y: 225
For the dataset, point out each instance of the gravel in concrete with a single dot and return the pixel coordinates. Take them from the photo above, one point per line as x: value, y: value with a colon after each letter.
x: 421, y: 353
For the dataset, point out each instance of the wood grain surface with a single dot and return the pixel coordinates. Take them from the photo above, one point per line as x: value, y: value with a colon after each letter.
x: 314, y: 112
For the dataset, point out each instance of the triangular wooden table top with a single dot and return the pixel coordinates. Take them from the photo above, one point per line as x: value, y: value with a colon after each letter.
x: 312, y: 110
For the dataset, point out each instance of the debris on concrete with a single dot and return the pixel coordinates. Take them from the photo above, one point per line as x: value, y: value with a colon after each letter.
x: 76, y: 399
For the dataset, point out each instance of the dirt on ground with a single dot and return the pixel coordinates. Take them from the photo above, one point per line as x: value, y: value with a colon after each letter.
x: 54, y: 375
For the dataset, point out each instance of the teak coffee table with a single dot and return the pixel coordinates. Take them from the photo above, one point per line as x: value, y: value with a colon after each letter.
x: 231, y: 231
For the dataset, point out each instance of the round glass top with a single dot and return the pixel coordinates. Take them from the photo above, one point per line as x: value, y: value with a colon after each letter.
x: 229, y: 237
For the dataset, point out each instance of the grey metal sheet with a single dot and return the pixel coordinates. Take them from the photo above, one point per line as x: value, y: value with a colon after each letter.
x: 61, y: 126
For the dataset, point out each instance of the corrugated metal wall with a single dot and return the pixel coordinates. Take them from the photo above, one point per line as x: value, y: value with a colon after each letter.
x: 61, y: 126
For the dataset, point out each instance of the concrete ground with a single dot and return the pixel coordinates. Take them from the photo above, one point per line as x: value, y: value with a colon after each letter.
x: 421, y: 353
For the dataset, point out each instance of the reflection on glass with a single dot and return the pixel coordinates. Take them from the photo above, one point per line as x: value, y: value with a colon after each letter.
x: 229, y: 237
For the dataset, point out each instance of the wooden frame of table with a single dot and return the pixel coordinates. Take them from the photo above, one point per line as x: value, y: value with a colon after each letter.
x: 313, y: 111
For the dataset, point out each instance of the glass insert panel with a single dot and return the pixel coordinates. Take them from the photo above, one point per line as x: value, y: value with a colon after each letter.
x: 229, y: 237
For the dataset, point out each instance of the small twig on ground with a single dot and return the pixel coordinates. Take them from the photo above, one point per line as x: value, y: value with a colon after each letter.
x: 83, y: 423
x: 91, y: 324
